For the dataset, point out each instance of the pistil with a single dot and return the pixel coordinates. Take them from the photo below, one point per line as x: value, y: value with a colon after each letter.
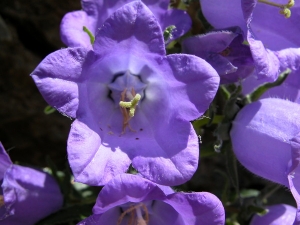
x: 128, y: 108
x: 285, y: 9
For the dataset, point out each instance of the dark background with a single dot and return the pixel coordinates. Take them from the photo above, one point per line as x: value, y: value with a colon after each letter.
x: 29, y: 30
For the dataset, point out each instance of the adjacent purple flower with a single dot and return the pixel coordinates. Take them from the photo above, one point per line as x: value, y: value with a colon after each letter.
x: 95, y: 12
x: 225, y: 51
x: 130, y: 199
x: 280, y: 214
x: 26, y: 195
x: 132, y: 103
x: 266, y: 140
x: 269, y: 34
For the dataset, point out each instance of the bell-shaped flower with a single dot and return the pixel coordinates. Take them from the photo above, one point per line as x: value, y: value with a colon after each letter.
x: 266, y: 140
x: 26, y: 195
x: 95, y: 12
x: 269, y: 35
x: 130, y: 199
x: 132, y: 103
x: 280, y: 214
x: 225, y: 51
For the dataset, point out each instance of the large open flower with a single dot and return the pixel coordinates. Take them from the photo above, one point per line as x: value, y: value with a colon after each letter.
x: 95, y: 12
x: 130, y: 199
x: 132, y: 103
x: 26, y: 195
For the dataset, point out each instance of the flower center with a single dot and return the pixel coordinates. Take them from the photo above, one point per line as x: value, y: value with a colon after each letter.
x: 127, y: 90
x: 1, y: 201
x: 138, y: 215
x: 284, y: 9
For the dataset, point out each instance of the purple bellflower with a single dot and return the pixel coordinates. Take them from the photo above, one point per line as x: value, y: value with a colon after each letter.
x: 26, y: 195
x: 132, y: 103
x: 130, y: 199
x: 280, y: 214
x: 266, y: 140
x: 269, y: 35
x: 95, y: 12
x: 225, y: 51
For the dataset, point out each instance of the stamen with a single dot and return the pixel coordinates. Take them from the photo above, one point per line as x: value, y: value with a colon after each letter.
x: 1, y: 201
x: 125, y: 104
x: 285, y: 9
x: 135, y: 215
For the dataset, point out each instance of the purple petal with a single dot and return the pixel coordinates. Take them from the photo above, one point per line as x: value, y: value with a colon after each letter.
x: 222, y: 65
x: 266, y: 62
x: 278, y: 215
x: 57, y: 78
x: 198, y: 208
x: 163, y: 213
x: 29, y: 196
x: 213, y: 42
x: 132, y: 28
x: 92, y: 159
x: 5, y: 161
x: 126, y: 188
x: 193, y: 78
x: 269, y: 26
x: 172, y: 148
x: 224, y: 13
